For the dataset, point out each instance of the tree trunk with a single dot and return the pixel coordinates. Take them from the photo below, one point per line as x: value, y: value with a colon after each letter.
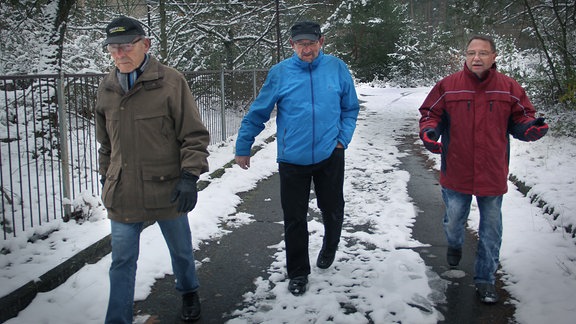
x: 56, y: 14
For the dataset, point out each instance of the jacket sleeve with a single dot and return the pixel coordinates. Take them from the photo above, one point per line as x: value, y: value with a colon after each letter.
x: 190, y: 130
x: 102, y: 137
x: 432, y: 109
x: 523, y: 112
x: 254, y: 121
x: 349, y: 106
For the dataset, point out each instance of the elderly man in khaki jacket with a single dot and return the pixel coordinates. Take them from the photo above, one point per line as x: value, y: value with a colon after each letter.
x: 153, y: 148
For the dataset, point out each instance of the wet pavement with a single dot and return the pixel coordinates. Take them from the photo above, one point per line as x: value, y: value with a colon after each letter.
x: 462, y: 305
x: 235, y: 261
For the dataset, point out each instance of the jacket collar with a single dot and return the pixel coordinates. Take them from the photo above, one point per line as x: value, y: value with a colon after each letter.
x: 489, y: 73
x: 303, y: 64
x: 152, y: 72
x: 127, y: 80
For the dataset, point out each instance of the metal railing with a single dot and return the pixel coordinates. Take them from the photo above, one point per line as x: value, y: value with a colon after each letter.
x: 48, y: 149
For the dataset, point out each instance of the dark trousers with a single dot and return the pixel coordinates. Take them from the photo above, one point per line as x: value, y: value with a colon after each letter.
x: 295, y: 184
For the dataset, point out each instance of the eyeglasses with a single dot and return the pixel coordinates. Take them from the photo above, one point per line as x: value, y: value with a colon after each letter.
x: 126, y: 47
x: 481, y: 54
x: 305, y: 44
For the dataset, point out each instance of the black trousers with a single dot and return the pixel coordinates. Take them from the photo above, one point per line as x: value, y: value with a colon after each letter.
x: 295, y: 184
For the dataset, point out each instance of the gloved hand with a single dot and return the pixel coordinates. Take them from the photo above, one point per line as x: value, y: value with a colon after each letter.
x: 430, y: 139
x: 538, y: 129
x: 102, y: 180
x: 186, y: 192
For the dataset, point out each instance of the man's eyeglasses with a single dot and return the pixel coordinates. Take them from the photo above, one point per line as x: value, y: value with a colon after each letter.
x: 126, y: 47
x: 305, y: 44
x: 481, y: 54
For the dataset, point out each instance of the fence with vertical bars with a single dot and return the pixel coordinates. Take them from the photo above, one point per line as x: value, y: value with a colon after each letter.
x: 48, y: 150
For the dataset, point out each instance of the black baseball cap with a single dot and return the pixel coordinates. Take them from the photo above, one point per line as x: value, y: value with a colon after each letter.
x: 305, y: 30
x: 123, y: 30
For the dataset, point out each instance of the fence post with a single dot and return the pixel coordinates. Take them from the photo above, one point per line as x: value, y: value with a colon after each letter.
x: 223, y: 102
x: 64, y: 156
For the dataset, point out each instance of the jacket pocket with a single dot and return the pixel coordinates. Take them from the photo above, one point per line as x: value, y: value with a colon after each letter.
x: 500, y: 109
x: 111, y: 185
x: 500, y: 102
x: 459, y: 98
x: 155, y: 130
x: 159, y: 183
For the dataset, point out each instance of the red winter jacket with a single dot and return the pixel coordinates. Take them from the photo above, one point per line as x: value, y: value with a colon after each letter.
x: 475, y: 117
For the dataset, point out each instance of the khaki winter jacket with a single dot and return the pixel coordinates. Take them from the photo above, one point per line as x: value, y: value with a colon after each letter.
x: 146, y: 137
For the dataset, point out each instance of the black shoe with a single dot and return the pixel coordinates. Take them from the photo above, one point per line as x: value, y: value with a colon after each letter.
x: 325, y: 259
x: 297, y: 286
x: 487, y: 293
x: 453, y: 256
x: 190, y: 307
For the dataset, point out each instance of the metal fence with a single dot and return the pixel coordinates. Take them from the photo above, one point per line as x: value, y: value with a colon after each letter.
x: 48, y: 150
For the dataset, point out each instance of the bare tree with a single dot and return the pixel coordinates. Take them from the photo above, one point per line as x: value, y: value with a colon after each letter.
x: 35, y: 30
x: 56, y: 19
x: 206, y: 34
x: 553, y: 23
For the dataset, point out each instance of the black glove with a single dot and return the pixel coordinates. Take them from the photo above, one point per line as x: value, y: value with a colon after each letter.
x: 186, y: 192
x: 430, y: 139
x: 103, y: 180
x: 538, y: 129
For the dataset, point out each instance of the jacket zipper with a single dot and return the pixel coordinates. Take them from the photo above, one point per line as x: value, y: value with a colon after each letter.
x: 313, y: 112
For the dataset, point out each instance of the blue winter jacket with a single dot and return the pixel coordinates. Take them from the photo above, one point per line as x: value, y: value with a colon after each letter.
x: 316, y: 105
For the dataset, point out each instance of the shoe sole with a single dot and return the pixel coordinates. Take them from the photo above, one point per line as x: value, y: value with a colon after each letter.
x: 297, y: 293
x: 189, y: 320
x: 297, y: 289
x: 489, y: 300
x: 322, y: 265
x: 492, y: 299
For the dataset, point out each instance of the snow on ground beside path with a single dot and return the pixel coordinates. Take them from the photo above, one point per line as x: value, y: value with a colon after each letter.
x: 374, y: 275
x: 538, y: 256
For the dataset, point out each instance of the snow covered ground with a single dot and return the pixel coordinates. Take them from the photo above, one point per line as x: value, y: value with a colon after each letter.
x: 374, y: 274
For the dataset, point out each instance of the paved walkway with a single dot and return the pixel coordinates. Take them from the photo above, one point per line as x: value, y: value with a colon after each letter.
x: 241, y: 256
x: 236, y: 260
x: 461, y: 305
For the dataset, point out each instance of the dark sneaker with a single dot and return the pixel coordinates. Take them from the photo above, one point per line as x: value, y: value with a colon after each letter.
x: 487, y: 293
x: 190, y: 307
x: 453, y: 256
x: 297, y: 286
x: 325, y: 259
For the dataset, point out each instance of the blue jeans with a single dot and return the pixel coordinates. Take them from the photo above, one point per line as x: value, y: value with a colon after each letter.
x: 125, y: 249
x: 490, y: 230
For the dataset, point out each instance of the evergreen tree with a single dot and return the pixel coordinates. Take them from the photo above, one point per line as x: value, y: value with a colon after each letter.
x: 363, y: 34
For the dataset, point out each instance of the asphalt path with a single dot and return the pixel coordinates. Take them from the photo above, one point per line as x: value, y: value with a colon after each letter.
x: 462, y: 305
x: 238, y: 258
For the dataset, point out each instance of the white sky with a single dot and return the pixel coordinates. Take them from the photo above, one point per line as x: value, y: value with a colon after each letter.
x: 539, y: 263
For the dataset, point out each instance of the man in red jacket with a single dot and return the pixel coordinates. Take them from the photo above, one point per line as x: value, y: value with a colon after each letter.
x: 474, y: 111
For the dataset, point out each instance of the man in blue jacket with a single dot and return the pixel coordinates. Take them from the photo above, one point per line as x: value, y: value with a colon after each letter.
x: 317, y: 110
